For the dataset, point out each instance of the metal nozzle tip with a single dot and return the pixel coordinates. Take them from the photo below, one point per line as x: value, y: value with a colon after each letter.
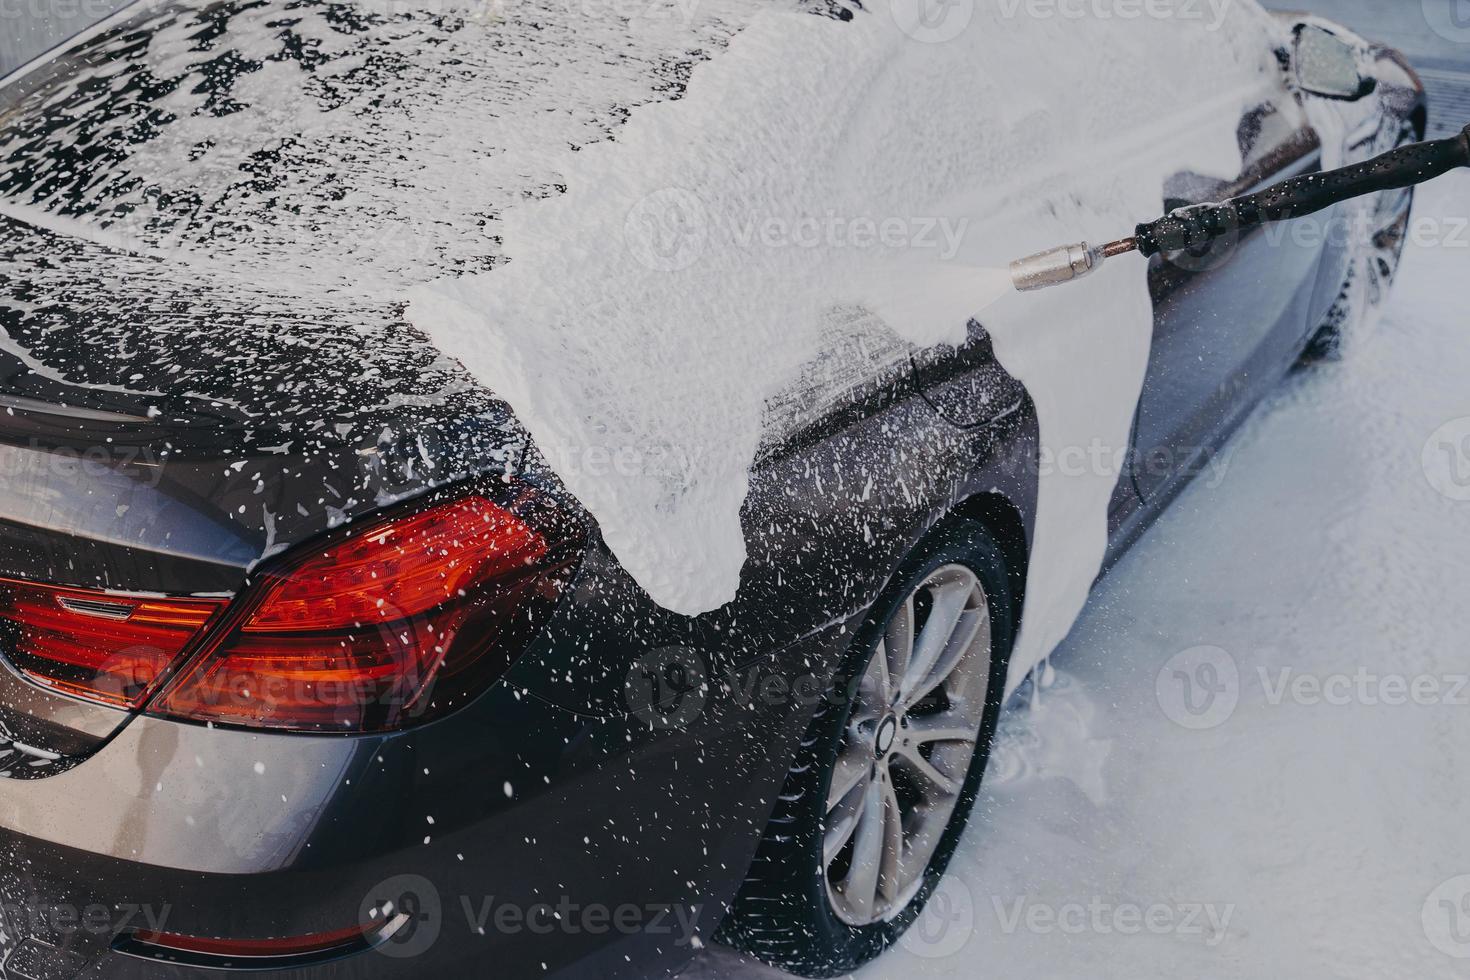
x: 1055, y: 266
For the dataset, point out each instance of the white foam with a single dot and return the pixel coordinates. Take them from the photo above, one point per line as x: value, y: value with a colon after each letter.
x: 1022, y: 132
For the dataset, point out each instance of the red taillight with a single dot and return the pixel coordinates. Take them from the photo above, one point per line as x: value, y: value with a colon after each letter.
x: 388, y: 623
x: 247, y: 949
x: 284, y: 953
x: 100, y: 646
x: 401, y: 569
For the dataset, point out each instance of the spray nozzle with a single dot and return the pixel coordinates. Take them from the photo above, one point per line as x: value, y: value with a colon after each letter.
x: 1059, y: 265
x: 1295, y: 197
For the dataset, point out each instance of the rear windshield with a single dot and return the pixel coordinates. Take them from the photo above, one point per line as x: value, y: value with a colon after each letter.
x: 356, y: 142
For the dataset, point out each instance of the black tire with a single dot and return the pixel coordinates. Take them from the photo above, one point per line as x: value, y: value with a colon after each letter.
x: 782, y: 914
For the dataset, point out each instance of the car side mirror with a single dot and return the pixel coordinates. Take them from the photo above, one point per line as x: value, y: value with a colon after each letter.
x: 1327, y: 65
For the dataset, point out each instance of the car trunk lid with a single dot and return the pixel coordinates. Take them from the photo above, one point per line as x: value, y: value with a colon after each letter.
x: 161, y: 435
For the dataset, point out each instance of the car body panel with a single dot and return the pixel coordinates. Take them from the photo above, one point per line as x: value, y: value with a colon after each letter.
x: 188, y: 817
x: 1217, y: 340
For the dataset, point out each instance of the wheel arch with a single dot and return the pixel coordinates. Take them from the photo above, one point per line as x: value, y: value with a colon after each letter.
x: 1002, y: 518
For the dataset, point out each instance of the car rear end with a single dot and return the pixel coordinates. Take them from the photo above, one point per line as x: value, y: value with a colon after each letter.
x: 212, y: 736
x: 259, y: 711
x: 352, y: 705
x: 306, y: 666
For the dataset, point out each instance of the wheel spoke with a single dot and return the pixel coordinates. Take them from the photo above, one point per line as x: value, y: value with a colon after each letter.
x: 876, y: 691
x: 898, y: 641
x: 861, y: 886
x: 842, y: 820
x: 889, y: 880
x: 940, y: 728
x: 954, y: 654
x: 910, y: 756
x: 853, y: 766
x: 950, y: 599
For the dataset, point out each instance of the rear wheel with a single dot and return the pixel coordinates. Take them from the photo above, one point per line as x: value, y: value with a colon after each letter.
x: 1373, y: 268
x: 889, y: 769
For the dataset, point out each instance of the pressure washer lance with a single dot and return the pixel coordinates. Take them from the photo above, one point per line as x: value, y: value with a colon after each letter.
x: 1296, y: 197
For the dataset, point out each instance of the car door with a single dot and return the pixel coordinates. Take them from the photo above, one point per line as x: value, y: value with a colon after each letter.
x: 1227, y: 317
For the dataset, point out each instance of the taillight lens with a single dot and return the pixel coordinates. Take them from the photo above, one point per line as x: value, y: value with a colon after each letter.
x: 384, y: 625
x: 100, y: 646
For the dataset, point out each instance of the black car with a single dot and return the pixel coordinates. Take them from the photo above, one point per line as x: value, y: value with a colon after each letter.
x: 308, y: 663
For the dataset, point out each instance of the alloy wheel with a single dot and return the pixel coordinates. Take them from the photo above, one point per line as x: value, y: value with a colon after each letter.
x: 907, y: 747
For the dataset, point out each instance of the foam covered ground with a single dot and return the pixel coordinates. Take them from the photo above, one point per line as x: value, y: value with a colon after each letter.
x: 1324, y: 831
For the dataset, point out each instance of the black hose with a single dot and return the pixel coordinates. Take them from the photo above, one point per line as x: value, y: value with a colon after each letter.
x: 1300, y: 196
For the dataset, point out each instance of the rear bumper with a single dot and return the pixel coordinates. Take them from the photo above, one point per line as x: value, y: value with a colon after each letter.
x: 526, y: 840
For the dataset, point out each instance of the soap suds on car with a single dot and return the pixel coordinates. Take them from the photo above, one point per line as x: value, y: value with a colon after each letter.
x: 687, y: 272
